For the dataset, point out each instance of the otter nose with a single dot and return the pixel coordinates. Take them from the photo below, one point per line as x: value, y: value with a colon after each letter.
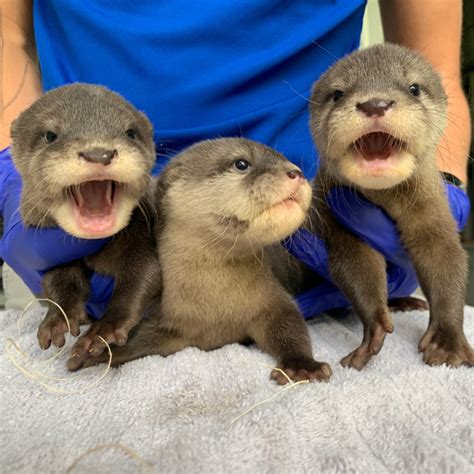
x: 375, y: 107
x: 293, y: 174
x: 98, y: 155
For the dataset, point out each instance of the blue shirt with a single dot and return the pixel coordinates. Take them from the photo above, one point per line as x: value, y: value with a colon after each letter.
x: 203, y: 69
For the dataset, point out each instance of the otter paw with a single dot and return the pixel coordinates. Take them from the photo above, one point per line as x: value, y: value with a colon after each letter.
x: 91, y: 344
x: 408, y: 304
x: 439, y: 348
x: 303, y: 368
x: 358, y: 358
x: 374, y: 337
x: 53, y: 328
x: 84, y: 360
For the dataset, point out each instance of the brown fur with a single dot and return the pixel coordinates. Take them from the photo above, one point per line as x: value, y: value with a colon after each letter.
x: 86, y: 117
x: 217, y: 227
x: 411, y: 193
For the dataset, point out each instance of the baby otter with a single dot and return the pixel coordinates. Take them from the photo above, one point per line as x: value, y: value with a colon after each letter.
x: 85, y: 155
x: 376, y: 118
x: 223, y: 204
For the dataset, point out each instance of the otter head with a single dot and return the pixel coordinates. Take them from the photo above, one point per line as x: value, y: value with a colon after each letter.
x: 235, y: 193
x: 377, y: 115
x: 84, y: 155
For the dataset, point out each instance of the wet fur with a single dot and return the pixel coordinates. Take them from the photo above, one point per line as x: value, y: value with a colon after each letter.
x: 216, y: 232
x: 413, y: 196
x: 85, y: 116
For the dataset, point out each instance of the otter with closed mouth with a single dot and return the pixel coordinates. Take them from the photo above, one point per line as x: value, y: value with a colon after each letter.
x: 376, y: 118
x: 224, y: 206
x: 85, y: 155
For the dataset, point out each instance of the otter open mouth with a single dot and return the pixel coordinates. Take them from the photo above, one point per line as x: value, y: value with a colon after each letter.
x: 95, y: 204
x: 377, y: 147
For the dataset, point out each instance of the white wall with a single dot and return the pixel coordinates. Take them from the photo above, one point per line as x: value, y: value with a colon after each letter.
x: 372, y: 27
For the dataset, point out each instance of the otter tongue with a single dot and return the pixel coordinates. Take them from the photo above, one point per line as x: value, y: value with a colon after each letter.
x: 376, y: 145
x: 94, y: 198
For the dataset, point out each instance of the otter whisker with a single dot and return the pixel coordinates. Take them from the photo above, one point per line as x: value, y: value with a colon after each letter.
x: 298, y: 93
x: 258, y: 260
x: 229, y: 251
x: 146, y: 216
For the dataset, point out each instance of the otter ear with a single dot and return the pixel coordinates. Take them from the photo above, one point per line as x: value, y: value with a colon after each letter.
x: 146, y: 122
x: 20, y: 128
x: 171, y: 173
x: 17, y: 144
x: 14, y: 129
x: 163, y: 183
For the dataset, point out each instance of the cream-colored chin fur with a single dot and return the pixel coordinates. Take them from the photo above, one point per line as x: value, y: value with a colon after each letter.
x: 64, y: 216
x: 387, y: 177
x: 280, y: 221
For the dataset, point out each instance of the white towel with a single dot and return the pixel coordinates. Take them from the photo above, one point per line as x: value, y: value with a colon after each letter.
x: 397, y: 415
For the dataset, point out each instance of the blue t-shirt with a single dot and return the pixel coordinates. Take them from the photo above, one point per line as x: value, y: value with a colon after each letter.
x: 203, y: 69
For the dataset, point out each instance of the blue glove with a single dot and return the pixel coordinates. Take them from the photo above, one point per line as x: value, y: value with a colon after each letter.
x: 31, y: 252
x: 372, y: 225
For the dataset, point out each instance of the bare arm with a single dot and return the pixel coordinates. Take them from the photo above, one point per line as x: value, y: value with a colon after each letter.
x: 433, y: 27
x: 20, y: 83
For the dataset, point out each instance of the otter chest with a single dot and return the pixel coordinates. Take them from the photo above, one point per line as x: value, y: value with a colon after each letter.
x: 211, y: 302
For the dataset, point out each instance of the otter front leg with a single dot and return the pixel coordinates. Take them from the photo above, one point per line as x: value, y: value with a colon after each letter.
x: 442, y: 271
x: 126, y: 308
x: 148, y: 338
x: 282, y: 333
x: 359, y: 272
x: 67, y: 286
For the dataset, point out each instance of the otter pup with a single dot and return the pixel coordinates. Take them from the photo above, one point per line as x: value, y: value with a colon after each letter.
x: 376, y: 117
x: 85, y: 155
x: 223, y: 204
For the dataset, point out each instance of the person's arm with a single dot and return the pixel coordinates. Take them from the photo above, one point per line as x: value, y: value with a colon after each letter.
x: 20, y: 83
x: 433, y: 28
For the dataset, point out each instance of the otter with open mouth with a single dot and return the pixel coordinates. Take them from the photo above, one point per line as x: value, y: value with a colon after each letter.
x: 85, y: 155
x: 224, y: 206
x: 376, y: 118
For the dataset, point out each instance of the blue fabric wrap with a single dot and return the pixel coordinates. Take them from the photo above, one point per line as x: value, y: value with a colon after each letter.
x: 372, y: 225
x: 203, y: 70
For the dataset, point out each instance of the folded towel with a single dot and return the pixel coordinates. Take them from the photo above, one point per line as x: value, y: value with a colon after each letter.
x: 397, y: 415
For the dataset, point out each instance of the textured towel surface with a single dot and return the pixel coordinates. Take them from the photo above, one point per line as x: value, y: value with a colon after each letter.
x: 397, y: 415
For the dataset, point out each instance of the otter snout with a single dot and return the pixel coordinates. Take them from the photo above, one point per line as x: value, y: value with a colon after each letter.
x: 295, y: 186
x: 375, y: 107
x: 98, y: 155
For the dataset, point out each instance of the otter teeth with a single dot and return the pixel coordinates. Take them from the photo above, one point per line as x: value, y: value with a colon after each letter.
x: 94, y: 197
x: 377, y: 145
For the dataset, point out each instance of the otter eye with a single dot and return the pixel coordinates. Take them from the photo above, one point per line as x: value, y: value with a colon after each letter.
x: 414, y: 90
x: 241, y: 165
x: 131, y: 133
x: 337, y: 94
x: 49, y: 137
